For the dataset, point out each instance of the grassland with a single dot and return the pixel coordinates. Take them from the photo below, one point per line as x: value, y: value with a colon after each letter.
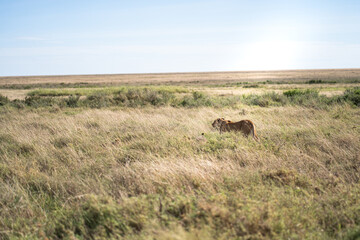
x: 121, y: 160
x: 216, y: 78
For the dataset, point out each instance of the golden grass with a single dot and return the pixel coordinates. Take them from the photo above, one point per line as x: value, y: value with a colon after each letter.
x: 146, y: 172
x: 14, y: 94
x: 53, y: 161
x: 192, y: 78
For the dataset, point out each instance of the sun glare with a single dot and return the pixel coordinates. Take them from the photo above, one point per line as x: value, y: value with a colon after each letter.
x: 269, y: 55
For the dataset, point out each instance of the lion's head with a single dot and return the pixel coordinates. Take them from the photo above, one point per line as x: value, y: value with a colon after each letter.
x: 217, y: 123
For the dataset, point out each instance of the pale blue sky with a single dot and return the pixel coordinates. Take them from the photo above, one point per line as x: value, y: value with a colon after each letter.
x: 50, y: 37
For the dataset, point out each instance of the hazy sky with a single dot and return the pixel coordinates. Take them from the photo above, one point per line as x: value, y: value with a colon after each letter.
x: 40, y: 37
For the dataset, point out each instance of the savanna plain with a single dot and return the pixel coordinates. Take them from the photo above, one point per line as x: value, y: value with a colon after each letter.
x: 135, y: 156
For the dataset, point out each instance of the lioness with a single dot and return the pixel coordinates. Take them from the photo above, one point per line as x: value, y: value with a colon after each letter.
x: 245, y: 126
x: 218, y: 122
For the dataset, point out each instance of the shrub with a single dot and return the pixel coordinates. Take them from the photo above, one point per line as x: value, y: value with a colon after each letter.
x: 196, y: 99
x: 98, y: 100
x: 353, y: 96
x: 152, y: 97
x: 142, y: 97
x: 251, y: 86
x: 72, y: 101
x: 319, y: 81
x: 37, y: 101
x: 299, y: 92
x: 3, y: 100
x: 307, y: 98
x: 19, y: 104
x: 258, y: 100
x: 265, y: 100
x: 278, y: 99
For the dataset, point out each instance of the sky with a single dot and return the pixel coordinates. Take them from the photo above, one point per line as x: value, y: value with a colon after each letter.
x: 53, y: 37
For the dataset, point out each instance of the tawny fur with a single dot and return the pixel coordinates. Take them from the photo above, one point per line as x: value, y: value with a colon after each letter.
x: 217, y: 123
x: 247, y: 127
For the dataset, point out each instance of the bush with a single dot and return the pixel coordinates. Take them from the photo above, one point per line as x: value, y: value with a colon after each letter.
x: 307, y: 98
x: 37, y: 101
x: 98, y: 100
x: 19, y: 104
x: 265, y: 100
x: 299, y: 92
x: 319, y: 81
x: 136, y: 97
x: 353, y: 96
x: 143, y: 97
x: 72, y: 101
x: 257, y: 100
x: 251, y: 86
x: 196, y: 99
x: 3, y: 100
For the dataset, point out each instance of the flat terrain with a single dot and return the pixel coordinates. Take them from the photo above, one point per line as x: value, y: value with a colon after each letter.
x: 135, y: 156
x: 340, y: 75
x: 334, y: 82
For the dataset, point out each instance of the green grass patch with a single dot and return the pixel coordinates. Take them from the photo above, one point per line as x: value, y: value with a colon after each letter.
x: 251, y: 86
x: 104, y: 91
x: 319, y: 81
x: 300, y: 92
x: 174, y: 96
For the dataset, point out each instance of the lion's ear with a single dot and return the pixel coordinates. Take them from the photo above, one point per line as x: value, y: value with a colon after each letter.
x: 222, y: 118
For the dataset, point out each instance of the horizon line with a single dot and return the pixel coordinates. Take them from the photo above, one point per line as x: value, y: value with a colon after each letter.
x: 165, y: 73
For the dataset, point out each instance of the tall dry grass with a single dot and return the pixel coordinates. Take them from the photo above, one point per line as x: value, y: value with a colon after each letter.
x: 135, y: 173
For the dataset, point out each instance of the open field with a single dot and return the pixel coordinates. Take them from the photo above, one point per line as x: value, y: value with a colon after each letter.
x: 123, y: 156
x: 338, y: 75
x: 329, y: 82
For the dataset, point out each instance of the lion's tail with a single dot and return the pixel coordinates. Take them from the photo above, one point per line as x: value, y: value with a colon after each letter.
x: 254, y: 132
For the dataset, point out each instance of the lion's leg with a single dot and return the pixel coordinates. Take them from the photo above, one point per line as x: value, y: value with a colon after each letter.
x: 222, y: 127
